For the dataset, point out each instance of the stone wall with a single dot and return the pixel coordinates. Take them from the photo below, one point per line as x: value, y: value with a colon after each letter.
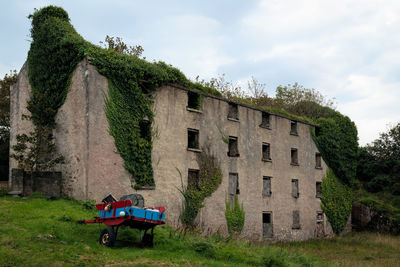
x: 43, y: 182
x: 170, y: 154
x: 3, y: 185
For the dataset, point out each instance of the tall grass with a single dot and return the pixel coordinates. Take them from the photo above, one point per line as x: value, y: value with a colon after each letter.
x: 37, y: 232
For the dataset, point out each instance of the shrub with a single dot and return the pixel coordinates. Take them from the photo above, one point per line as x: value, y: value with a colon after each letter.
x: 235, y: 217
x: 378, y: 183
x: 210, y: 177
x: 336, y: 201
x: 337, y: 141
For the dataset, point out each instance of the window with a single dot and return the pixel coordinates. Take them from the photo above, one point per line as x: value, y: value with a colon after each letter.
x: 266, y: 192
x: 233, y: 147
x: 296, y: 219
x: 233, y: 187
x: 265, y: 120
x: 193, y: 179
x: 266, y: 152
x: 318, y: 161
x: 145, y: 129
x: 295, y: 188
x: 267, y: 224
x: 293, y: 127
x: 294, y: 157
x: 320, y: 230
x: 318, y: 189
x: 233, y: 112
x: 194, y: 100
x: 193, y: 138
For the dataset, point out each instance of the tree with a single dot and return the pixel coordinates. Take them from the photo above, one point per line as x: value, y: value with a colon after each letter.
x: 116, y: 44
x: 35, y: 152
x: 379, y: 163
x: 290, y: 95
x: 5, y: 84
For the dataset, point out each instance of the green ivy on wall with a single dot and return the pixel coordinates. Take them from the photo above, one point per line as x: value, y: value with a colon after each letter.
x: 210, y: 177
x: 234, y: 215
x: 55, y: 51
x: 337, y: 140
x: 336, y: 201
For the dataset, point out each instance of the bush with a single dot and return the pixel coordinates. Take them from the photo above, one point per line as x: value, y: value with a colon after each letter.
x: 336, y: 201
x: 235, y: 217
x: 337, y: 141
x: 210, y: 177
x: 378, y: 183
x: 396, y: 189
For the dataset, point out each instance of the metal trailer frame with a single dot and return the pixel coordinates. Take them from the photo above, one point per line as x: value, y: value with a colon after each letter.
x: 109, y: 235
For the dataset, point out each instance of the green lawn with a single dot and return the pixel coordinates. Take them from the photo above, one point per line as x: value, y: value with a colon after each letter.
x: 37, y: 232
x: 355, y: 249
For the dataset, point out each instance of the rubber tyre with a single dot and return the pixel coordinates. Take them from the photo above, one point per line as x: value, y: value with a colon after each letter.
x: 147, y: 240
x: 107, y: 237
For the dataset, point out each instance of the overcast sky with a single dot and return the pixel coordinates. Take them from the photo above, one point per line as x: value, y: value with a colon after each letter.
x: 347, y: 49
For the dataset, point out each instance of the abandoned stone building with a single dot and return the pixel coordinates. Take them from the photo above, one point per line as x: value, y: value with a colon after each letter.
x: 268, y: 160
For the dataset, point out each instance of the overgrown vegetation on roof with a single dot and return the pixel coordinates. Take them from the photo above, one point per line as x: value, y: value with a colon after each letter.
x: 55, y: 51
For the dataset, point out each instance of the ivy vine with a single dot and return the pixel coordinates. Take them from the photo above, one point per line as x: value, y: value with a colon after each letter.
x: 210, y: 177
x: 336, y: 201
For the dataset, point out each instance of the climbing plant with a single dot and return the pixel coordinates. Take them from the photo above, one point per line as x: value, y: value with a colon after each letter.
x: 55, y: 51
x: 234, y: 215
x: 337, y: 140
x: 336, y: 201
x: 210, y: 177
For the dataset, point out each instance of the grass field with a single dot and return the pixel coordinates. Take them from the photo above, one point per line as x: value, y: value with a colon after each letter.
x: 355, y: 249
x: 37, y: 232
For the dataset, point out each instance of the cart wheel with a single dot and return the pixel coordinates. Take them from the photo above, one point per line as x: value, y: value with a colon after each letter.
x: 107, y: 237
x: 147, y: 240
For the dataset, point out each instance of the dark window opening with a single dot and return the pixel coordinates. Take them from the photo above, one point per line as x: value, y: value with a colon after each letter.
x: 233, y: 147
x: 294, y: 157
x: 267, y: 224
x: 233, y: 112
x: 266, y: 192
x: 295, y: 188
x: 145, y: 129
x: 293, y: 127
x: 265, y: 120
x: 320, y: 217
x: 193, y: 179
x: 266, y: 152
x: 318, y: 189
x: 318, y: 161
x: 193, y: 138
x: 194, y: 100
x: 296, y: 219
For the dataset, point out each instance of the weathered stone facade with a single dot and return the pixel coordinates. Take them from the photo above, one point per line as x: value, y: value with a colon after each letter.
x: 275, y: 190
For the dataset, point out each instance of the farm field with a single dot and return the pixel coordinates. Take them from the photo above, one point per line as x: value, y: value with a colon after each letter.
x: 38, y: 232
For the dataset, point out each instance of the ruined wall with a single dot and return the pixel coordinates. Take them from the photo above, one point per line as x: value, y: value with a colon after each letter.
x: 93, y: 167
x: 20, y: 93
x: 170, y: 154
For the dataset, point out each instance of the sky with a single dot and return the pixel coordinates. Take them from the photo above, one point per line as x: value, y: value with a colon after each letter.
x: 349, y: 50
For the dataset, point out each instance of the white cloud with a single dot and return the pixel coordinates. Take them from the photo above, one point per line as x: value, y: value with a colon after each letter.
x: 349, y: 50
x: 193, y: 43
